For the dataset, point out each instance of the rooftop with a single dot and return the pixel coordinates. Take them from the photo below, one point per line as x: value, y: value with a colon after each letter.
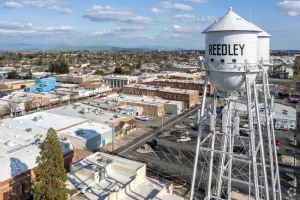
x: 87, y: 130
x: 92, y: 113
x: 162, y: 89
x: 19, y: 146
x: 115, y: 173
x: 231, y: 22
x: 148, y: 100
x: 120, y: 77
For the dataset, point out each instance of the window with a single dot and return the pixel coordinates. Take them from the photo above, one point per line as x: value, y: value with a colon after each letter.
x: 212, y: 60
x: 21, y: 189
x: 233, y: 60
x: 222, y: 60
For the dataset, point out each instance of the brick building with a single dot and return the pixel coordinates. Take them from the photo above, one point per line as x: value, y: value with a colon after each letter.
x: 189, y: 97
x: 184, y: 84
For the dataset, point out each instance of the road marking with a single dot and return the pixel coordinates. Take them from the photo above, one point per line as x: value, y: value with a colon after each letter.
x: 175, y: 156
x: 149, y: 136
x: 187, y: 159
x: 156, y: 155
x: 165, y: 154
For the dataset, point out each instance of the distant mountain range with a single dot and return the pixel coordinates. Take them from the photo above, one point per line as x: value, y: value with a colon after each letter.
x: 64, y: 48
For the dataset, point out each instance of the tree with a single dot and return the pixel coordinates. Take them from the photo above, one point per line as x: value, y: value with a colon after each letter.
x: 29, y: 75
x: 119, y: 70
x: 50, y: 182
x: 13, y: 75
x: 99, y: 72
x: 297, y: 65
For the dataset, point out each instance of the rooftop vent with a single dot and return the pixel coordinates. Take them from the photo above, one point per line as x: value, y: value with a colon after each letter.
x: 37, y: 118
x: 28, y: 129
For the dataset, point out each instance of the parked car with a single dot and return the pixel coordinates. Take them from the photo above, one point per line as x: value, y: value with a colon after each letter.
x: 142, y: 118
x: 154, y: 143
x: 244, y: 132
x: 184, y: 139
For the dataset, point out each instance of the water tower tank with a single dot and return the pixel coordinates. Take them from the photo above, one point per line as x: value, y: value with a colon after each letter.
x: 263, y: 47
x: 228, y: 43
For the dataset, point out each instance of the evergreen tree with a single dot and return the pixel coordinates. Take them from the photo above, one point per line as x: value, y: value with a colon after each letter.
x: 50, y: 183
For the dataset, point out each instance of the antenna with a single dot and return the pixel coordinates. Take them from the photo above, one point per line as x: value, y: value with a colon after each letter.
x: 250, y: 10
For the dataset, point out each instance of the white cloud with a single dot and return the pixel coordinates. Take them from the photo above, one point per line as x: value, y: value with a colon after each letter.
x: 119, y: 31
x: 50, y: 4
x: 56, y: 29
x: 158, y: 11
x: 17, y: 28
x: 129, y: 28
x: 107, y: 13
x: 176, y: 6
x: 197, y: 1
x: 12, y: 4
x: 292, y: 8
x: 146, y: 37
x: 190, y: 30
x: 193, y: 18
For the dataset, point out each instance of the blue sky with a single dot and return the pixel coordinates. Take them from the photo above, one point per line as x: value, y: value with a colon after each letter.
x: 127, y: 23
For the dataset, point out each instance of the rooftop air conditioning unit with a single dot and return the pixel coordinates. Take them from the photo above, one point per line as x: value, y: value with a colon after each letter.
x: 37, y: 118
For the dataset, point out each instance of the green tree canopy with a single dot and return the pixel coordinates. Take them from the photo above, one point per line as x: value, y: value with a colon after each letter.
x: 50, y: 182
x: 60, y: 66
x: 13, y: 75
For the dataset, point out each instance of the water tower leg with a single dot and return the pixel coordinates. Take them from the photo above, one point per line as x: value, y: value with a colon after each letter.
x: 252, y: 141
x: 261, y: 143
x: 222, y: 155
x: 276, y: 175
x: 230, y: 146
x: 211, y: 153
x: 268, y: 125
x: 200, y: 130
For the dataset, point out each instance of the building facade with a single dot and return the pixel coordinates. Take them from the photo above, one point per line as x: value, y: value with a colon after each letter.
x: 189, y: 97
x: 184, y: 84
x: 118, y: 81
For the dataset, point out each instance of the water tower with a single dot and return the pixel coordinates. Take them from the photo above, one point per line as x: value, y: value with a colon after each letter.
x: 232, y: 50
x: 229, y: 43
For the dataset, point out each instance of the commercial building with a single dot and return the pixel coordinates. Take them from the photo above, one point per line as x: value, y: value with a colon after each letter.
x: 122, y: 120
x: 185, y: 76
x: 76, y: 78
x: 43, y: 85
x: 108, y: 177
x: 119, y: 81
x: 16, y: 84
x: 82, y: 133
x: 19, y: 147
x: 152, y: 106
x: 183, y: 84
x: 189, y: 97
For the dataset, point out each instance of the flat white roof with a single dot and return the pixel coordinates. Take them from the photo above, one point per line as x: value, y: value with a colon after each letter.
x: 120, y: 77
x: 147, y: 100
x: 159, y: 88
x: 50, y: 120
x: 90, y: 113
x: 119, y: 173
x: 87, y: 130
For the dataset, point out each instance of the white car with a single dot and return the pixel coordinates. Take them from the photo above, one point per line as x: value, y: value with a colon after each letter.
x: 143, y: 118
x: 184, y: 139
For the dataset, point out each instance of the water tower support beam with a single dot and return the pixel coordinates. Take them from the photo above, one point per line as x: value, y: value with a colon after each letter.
x: 261, y: 144
x: 200, y: 130
x: 252, y: 140
x: 270, y: 149
x: 277, y: 177
x: 211, y: 155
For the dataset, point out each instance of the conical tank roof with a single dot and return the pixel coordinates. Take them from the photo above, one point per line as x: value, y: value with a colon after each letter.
x: 231, y: 22
x: 262, y: 33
